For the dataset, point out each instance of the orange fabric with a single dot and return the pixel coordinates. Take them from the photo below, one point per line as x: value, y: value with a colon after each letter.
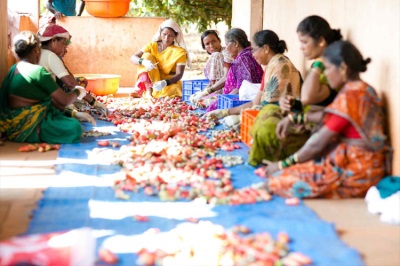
x: 344, y: 170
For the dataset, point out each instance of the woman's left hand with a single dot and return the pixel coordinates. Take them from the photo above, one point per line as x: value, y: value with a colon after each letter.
x: 282, y: 128
x: 271, y: 167
x: 100, y: 107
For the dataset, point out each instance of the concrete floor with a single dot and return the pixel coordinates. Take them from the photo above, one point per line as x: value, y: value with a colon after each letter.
x: 23, y: 176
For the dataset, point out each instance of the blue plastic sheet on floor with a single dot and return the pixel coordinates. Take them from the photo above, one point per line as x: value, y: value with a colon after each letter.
x: 94, y: 206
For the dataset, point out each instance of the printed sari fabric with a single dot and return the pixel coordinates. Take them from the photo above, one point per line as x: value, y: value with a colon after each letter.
x: 350, y: 166
x: 40, y: 122
x: 214, y: 68
x: 280, y: 78
x: 243, y: 67
x: 166, y: 68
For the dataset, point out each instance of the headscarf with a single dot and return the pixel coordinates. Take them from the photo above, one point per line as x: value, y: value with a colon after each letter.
x: 169, y: 23
x: 51, y: 31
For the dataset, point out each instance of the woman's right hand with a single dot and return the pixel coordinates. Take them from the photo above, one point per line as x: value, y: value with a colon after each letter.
x: 194, y: 98
x: 285, y: 103
x: 148, y: 65
x: 84, y: 117
x: 219, y: 113
x: 82, y: 92
x: 282, y: 128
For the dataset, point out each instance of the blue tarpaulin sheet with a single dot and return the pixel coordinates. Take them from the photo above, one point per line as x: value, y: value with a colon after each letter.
x: 94, y: 205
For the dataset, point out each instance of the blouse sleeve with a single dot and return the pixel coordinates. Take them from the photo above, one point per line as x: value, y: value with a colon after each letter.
x: 57, y: 66
x: 44, y: 81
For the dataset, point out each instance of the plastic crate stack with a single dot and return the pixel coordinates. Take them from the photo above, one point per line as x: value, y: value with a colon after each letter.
x: 226, y: 101
x: 190, y: 87
x: 248, y: 119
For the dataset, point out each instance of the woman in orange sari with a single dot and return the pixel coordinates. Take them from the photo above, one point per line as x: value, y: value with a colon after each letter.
x: 161, y: 63
x: 348, y: 154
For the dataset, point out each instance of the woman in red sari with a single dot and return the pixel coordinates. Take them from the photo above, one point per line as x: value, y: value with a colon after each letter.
x: 348, y: 154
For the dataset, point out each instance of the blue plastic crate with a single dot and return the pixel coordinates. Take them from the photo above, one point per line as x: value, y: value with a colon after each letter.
x: 226, y: 101
x: 190, y: 87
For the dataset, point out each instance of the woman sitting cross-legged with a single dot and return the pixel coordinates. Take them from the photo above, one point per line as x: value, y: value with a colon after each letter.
x: 349, y: 153
x: 280, y: 78
x: 216, y: 68
x: 161, y: 63
x: 55, y: 41
x: 26, y: 110
x: 315, y: 34
x: 243, y: 67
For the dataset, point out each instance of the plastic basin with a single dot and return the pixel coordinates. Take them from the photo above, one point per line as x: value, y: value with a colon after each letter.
x: 101, y: 84
x: 107, y: 8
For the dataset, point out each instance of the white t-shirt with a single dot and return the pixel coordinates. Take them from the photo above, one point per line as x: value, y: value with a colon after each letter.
x: 53, y: 64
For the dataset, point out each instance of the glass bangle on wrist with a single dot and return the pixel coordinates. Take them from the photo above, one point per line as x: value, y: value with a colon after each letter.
x: 140, y: 61
x: 93, y: 101
x: 318, y: 65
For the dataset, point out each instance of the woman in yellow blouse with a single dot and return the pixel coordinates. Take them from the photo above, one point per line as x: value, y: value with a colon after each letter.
x: 161, y: 63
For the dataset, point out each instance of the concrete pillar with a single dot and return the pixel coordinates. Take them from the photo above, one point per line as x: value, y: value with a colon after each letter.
x: 3, y: 40
x: 248, y: 15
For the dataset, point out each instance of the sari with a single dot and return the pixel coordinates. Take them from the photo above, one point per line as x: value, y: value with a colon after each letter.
x: 166, y: 68
x: 40, y: 122
x: 243, y: 67
x: 280, y: 78
x: 348, y: 167
x: 214, y: 68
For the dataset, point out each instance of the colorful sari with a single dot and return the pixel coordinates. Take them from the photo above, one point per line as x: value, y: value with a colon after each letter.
x: 166, y: 68
x: 280, y: 78
x: 41, y: 122
x: 243, y: 67
x: 214, y: 68
x: 350, y: 166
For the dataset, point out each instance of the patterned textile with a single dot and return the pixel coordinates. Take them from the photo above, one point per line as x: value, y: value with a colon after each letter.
x: 280, y: 78
x: 243, y: 67
x: 165, y: 69
x: 348, y: 167
x: 40, y: 122
x: 266, y: 144
x: 214, y: 68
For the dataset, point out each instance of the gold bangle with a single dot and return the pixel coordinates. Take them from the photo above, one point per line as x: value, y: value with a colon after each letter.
x: 296, y: 158
x: 74, y: 113
x: 280, y: 166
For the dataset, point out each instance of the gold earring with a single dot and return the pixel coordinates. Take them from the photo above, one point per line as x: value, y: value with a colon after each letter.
x: 343, y: 72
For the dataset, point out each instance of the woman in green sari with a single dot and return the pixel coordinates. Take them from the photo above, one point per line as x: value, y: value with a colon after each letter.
x: 315, y: 34
x: 26, y: 110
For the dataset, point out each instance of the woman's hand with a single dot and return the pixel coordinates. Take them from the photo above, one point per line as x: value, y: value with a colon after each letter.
x: 159, y: 85
x: 148, y: 65
x: 282, y: 128
x: 82, y: 92
x: 285, y: 103
x: 220, y: 113
x: 271, y: 167
x: 84, y: 117
x: 194, y: 98
x: 100, y: 107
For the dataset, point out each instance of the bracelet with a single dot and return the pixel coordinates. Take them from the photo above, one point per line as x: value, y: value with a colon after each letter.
x: 74, y: 113
x: 280, y: 166
x: 289, y: 161
x: 297, y: 105
x: 318, y: 65
x: 93, y: 101
x: 210, y: 89
x: 140, y: 61
x: 168, y: 82
x: 68, y: 112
